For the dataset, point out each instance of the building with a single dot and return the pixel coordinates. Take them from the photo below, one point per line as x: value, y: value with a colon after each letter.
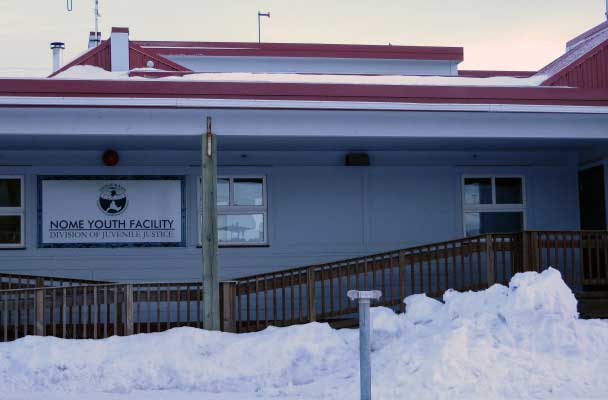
x: 325, y: 152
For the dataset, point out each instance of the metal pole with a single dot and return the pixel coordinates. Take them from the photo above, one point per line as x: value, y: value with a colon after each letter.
x: 208, y: 231
x: 261, y: 14
x: 365, y: 331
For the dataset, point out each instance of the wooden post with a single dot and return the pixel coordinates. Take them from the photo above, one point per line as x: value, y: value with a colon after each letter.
x: 39, y: 331
x: 128, y: 310
x: 208, y: 232
x: 310, y: 285
x: 490, y: 260
x: 534, y: 252
x: 525, y: 252
x: 227, y: 304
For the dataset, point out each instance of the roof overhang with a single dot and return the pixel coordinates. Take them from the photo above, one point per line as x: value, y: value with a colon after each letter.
x: 247, y: 49
x: 195, y: 94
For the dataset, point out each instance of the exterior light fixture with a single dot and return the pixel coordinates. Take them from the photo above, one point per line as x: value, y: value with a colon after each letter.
x: 110, y: 158
x: 357, y: 160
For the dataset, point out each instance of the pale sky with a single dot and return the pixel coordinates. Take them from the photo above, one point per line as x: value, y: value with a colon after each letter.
x: 495, y: 34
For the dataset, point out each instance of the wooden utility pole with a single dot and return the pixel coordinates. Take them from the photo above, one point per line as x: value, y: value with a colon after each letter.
x: 208, y: 231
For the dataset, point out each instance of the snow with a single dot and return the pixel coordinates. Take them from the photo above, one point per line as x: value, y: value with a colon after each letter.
x: 92, y: 72
x: 362, y: 79
x: 520, y: 341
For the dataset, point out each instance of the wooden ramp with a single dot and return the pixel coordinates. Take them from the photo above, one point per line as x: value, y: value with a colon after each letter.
x: 73, y: 308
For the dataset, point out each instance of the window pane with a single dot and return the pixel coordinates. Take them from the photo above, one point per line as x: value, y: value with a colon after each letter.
x: 240, y: 228
x: 10, y: 229
x: 223, y: 192
x: 248, y: 192
x: 508, y: 191
x: 478, y: 191
x: 10, y: 193
x: 477, y: 223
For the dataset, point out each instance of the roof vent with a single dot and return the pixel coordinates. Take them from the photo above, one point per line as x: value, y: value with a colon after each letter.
x: 94, y: 39
x: 57, y: 48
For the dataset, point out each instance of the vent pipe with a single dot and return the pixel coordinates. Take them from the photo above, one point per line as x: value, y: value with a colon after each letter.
x: 57, y: 48
x: 94, y: 39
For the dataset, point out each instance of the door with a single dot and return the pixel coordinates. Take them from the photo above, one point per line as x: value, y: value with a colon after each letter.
x: 593, y: 217
x: 592, y: 202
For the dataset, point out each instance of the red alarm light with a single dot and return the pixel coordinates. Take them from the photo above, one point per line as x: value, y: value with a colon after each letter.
x: 110, y: 158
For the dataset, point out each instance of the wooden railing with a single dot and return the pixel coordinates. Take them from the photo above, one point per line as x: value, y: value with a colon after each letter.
x: 581, y: 256
x: 99, y: 311
x: 91, y: 309
x: 318, y: 292
x: 20, y: 281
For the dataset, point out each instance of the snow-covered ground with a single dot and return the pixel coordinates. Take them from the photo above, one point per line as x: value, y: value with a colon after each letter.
x: 524, y: 341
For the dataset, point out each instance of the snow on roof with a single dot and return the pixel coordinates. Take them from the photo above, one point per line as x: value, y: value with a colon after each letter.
x: 91, y: 72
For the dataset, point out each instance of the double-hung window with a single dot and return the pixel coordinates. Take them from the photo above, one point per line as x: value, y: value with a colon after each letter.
x: 12, y: 219
x: 493, y: 204
x: 241, y: 210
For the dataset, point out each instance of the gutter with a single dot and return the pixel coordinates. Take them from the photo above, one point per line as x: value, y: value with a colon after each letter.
x: 124, y: 102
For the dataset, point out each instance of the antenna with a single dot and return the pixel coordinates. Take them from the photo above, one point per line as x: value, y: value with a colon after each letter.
x: 606, y: 13
x: 96, y: 15
x: 267, y: 14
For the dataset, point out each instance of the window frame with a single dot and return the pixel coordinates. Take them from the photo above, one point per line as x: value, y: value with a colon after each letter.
x: 493, y: 207
x: 238, y: 210
x: 15, y: 211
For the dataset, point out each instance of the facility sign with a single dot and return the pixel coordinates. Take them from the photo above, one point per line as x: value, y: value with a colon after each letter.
x: 110, y: 211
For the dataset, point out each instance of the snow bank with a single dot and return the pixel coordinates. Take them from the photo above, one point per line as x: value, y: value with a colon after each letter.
x: 521, y: 341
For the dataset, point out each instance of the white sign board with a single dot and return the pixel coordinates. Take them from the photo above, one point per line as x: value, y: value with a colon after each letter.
x: 94, y: 211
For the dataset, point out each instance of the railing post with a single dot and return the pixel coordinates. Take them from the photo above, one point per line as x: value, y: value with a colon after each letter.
x: 39, y: 298
x: 227, y: 306
x: 534, y: 251
x: 525, y: 252
x: 310, y: 285
x: 128, y: 310
x: 402, y: 280
x: 490, y: 260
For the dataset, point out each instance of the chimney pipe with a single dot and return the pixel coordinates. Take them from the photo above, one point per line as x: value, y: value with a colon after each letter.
x: 94, y: 39
x: 119, y: 49
x: 57, y: 48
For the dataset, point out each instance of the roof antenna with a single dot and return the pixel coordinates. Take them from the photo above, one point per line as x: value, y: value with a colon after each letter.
x: 606, y: 13
x: 267, y: 14
x: 96, y: 15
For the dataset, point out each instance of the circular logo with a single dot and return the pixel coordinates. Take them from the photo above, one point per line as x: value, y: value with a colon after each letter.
x: 112, y: 199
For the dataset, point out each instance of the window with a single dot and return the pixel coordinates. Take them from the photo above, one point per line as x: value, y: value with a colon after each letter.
x: 11, y: 212
x: 493, y: 204
x: 241, y: 210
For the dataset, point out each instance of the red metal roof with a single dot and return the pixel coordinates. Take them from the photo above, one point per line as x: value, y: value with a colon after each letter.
x: 588, y: 71
x: 100, y: 56
x: 244, y: 49
x: 297, y: 91
x: 585, y: 64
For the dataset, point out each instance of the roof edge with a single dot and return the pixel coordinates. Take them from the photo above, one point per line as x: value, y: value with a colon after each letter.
x: 66, y: 88
x: 556, y: 76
